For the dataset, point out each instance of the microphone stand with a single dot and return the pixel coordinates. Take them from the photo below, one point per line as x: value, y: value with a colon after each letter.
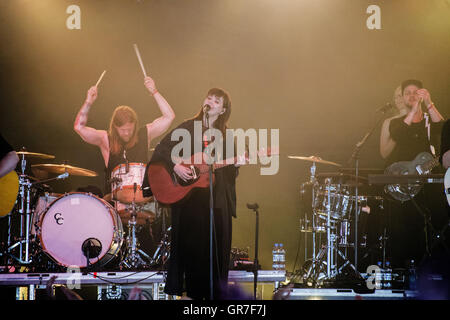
x: 211, y: 217
x: 355, y: 157
x: 255, y: 208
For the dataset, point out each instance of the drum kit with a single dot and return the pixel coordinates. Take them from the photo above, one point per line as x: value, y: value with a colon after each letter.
x: 328, y: 207
x: 81, y: 229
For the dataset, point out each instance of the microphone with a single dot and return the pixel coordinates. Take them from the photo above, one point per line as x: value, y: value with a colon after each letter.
x: 62, y: 176
x: 385, y: 108
x: 206, y: 108
x: 252, y: 206
x: 91, y: 248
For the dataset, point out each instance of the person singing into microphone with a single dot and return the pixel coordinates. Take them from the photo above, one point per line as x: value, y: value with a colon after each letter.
x: 188, y: 266
x: 409, y: 133
x: 416, y: 131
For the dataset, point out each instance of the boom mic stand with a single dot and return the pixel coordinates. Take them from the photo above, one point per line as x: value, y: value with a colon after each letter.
x: 211, y: 216
x: 255, y: 208
x: 355, y: 157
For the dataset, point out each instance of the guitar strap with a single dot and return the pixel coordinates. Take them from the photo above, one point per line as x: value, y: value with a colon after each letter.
x: 428, y: 127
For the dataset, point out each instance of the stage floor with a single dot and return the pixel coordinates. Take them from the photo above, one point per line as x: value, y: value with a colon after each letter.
x: 117, y: 285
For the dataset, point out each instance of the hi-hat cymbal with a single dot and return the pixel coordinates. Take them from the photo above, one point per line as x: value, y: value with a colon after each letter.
x: 315, y: 159
x: 63, y: 168
x: 35, y: 155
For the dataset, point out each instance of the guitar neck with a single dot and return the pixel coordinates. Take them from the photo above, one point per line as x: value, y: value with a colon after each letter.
x: 233, y: 161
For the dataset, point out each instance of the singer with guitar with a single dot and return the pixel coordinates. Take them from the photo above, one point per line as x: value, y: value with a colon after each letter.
x: 414, y: 135
x: 188, y: 269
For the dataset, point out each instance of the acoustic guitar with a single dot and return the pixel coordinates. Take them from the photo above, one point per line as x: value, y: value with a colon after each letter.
x: 9, y: 188
x: 170, y: 189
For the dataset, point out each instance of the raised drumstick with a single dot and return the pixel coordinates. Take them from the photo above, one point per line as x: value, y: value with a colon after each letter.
x: 140, y: 59
x: 100, y: 79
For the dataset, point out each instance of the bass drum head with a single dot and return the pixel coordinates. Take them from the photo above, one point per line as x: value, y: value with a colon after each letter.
x: 74, y: 219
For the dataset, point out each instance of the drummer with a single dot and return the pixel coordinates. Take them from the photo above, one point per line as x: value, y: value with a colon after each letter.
x: 124, y: 142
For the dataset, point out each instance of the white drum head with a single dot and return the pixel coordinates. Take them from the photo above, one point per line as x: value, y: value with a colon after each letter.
x: 70, y: 221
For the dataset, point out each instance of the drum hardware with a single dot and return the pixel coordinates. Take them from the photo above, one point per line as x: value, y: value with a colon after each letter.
x: 23, y: 207
x: 315, y: 269
x: 313, y: 183
x: 331, y: 208
x: 133, y: 256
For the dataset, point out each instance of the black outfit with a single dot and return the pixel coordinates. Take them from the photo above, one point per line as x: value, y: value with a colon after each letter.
x: 188, y: 268
x: 138, y: 153
x: 411, y: 140
x: 408, y: 239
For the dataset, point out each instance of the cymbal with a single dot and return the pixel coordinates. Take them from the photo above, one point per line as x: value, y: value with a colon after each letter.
x: 35, y: 155
x: 63, y: 168
x: 315, y: 159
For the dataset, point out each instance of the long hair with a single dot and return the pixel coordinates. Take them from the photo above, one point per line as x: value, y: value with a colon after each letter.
x: 122, y: 115
x: 222, y: 120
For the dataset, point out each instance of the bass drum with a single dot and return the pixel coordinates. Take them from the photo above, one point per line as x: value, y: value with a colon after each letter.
x: 75, y: 220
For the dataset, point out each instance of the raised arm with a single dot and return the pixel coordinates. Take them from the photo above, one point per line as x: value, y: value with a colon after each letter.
x: 161, y: 124
x: 89, y: 135
x: 431, y: 108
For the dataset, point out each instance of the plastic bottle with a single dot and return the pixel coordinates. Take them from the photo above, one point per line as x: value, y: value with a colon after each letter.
x: 282, y: 257
x: 275, y: 257
x: 388, y: 275
x: 380, y: 275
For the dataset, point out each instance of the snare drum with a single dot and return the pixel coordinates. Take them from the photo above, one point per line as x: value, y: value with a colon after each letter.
x: 73, y: 220
x: 128, y: 178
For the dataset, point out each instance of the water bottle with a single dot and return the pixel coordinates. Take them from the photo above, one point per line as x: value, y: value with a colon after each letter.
x: 388, y: 275
x: 275, y: 257
x: 282, y: 257
x: 412, y: 277
x: 380, y: 276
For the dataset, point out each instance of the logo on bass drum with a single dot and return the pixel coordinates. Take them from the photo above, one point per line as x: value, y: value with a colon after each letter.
x: 58, y: 218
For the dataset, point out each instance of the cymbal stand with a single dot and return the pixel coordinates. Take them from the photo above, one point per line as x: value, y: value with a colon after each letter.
x: 24, y: 210
x: 331, y: 238
x: 133, y: 257
x: 313, y: 206
x: 316, y: 269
